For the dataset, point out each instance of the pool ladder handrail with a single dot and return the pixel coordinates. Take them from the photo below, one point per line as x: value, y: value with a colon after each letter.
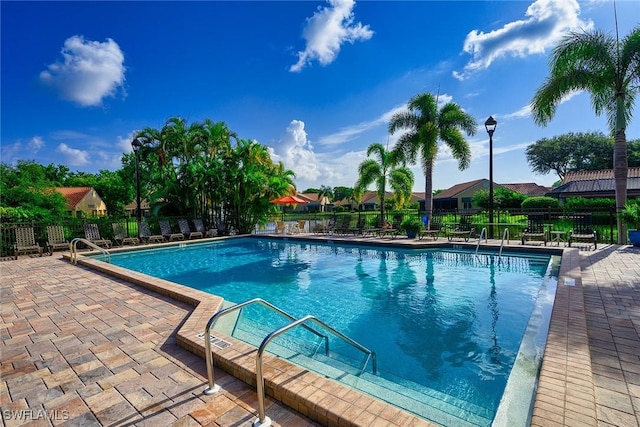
x: 483, y: 232
x: 212, y: 387
x: 73, y: 249
x: 504, y: 233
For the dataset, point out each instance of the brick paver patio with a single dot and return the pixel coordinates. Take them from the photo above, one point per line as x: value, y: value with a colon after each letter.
x: 82, y: 348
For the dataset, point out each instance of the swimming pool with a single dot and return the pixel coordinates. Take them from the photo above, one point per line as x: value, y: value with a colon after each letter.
x: 446, y: 324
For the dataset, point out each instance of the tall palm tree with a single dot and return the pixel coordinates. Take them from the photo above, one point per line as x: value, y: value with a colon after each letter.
x: 609, y: 70
x: 425, y: 125
x: 384, y: 170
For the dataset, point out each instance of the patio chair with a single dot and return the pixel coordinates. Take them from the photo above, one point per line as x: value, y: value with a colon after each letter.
x: 121, y: 237
x: 92, y: 234
x: 280, y: 226
x: 199, y: 226
x: 165, y: 229
x: 26, y: 242
x: 434, y: 230
x: 343, y: 225
x: 583, y: 231
x: 56, y: 239
x: 325, y: 228
x: 186, y: 230
x: 392, y: 229
x: 146, y: 236
x: 299, y: 226
x: 359, y: 227
x: 535, y: 229
x: 462, y: 230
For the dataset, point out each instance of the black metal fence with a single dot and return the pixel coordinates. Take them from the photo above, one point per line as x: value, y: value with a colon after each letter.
x: 604, y: 223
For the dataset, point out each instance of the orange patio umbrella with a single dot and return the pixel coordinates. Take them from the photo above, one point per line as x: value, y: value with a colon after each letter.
x: 288, y: 200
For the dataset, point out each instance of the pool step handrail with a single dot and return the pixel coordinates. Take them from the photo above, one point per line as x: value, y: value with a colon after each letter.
x: 212, y: 386
x: 73, y: 249
x: 483, y: 232
x: 505, y: 233
x: 263, y: 420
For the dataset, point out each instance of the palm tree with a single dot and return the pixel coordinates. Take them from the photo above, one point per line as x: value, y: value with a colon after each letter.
x: 384, y: 169
x: 610, y: 71
x: 425, y: 125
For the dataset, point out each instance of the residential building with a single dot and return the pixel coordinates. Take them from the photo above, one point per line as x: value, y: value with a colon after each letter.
x: 83, y: 201
x: 595, y: 184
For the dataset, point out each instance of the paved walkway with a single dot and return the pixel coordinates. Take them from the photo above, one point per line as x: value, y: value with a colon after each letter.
x: 79, y: 348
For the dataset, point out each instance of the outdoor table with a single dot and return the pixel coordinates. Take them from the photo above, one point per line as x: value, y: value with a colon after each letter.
x: 558, y: 236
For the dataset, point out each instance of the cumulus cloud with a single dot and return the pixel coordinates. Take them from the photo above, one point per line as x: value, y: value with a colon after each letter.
x: 90, y: 71
x: 526, y: 110
x: 20, y: 149
x: 547, y: 21
x: 327, y: 30
x: 73, y: 156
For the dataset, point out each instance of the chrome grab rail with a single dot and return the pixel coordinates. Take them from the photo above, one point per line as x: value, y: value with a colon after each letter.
x: 504, y: 233
x: 483, y: 232
x: 212, y: 386
x: 264, y: 420
x: 73, y: 249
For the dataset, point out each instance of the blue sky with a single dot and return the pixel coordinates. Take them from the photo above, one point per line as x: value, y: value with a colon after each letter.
x: 315, y: 81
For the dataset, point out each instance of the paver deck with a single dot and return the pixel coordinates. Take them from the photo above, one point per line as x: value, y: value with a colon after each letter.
x: 82, y: 348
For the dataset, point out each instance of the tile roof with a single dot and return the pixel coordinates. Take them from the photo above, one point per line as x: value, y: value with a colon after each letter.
x: 457, y: 189
x: 527, y: 188
x: 73, y: 194
x: 594, y: 186
x: 599, y: 174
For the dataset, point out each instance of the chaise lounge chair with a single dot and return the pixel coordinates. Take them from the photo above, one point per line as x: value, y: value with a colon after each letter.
x: 121, y: 237
x: 199, y: 226
x: 583, y: 231
x: 26, y: 242
x: 165, y: 229
x: 92, y: 234
x: 186, y: 230
x: 435, y: 227
x: 56, y: 239
x: 146, y: 236
x: 535, y: 229
x: 462, y: 230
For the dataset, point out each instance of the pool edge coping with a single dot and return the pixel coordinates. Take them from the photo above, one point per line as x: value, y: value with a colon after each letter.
x: 565, y: 392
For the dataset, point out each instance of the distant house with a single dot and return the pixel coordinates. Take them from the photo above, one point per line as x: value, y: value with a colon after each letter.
x: 83, y: 201
x: 528, y: 189
x: 460, y: 196
x: 316, y: 203
x: 595, y: 184
x: 133, y: 206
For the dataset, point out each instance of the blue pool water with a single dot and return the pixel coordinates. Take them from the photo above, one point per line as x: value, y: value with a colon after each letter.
x: 444, y: 323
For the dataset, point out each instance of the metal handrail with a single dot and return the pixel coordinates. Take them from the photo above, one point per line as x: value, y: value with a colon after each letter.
x: 264, y: 420
x: 212, y: 387
x: 504, y: 233
x: 73, y: 248
x: 483, y: 232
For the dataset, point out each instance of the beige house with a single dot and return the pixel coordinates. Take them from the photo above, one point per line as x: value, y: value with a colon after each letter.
x: 83, y: 201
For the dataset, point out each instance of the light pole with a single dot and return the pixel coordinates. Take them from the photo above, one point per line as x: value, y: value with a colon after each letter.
x: 490, y: 126
x: 136, y: 144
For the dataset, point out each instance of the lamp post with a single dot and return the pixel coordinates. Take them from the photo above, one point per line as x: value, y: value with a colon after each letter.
x: 136, y: 144
x: 490, y: 126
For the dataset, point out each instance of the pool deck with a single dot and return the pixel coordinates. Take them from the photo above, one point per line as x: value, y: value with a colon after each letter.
x: 82, y: 348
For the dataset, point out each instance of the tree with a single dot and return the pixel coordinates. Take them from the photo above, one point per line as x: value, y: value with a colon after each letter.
x: 425, y: 125
x: 503, y: 199
x: 571, y: 152
x: 384, y: 170
x: 340, y: 193
x: 609, y: 70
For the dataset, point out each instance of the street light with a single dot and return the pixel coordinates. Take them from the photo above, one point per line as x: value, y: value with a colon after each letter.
x: 136, y: 144
x: 490, y: 126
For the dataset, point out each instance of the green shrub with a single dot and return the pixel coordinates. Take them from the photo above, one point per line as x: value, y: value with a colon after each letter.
x: 576, y: 204
x: 540, y: 202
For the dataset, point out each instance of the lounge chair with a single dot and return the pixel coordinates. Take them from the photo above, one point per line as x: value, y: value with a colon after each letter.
x: 121, y: 237
x: 360, y: 226
x: 92, y: 234
x: 199, y: 226
x: 26, y: 242
x: 146, y: 236
x: 56, y: 239
x: 392, y: 230
x: 535, y: 229
x: 186, y: 230
x: 342, y: 226
x: 583, y: 231
x: 462, y: 230
x: 299, y: 226
x: 281, y: 227
x: 326, y: 228
x: 434, y: 230
x: 165, y: 229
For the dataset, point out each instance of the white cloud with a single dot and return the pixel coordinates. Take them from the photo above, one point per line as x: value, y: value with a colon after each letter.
x: 74, y: 157
x: 90, y: 72
x: 546, y: 23
x: 21, y: 150
x: 526, y: 110
x: 327, y: 30
x: 349, y: 133
x: 313, y: 169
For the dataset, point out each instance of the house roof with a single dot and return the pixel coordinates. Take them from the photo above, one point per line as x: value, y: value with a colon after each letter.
x: 452, y: 192
x: 527, y: 188
x: 592, y: 186
x: 599, y: 174
x: 74, y: 195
